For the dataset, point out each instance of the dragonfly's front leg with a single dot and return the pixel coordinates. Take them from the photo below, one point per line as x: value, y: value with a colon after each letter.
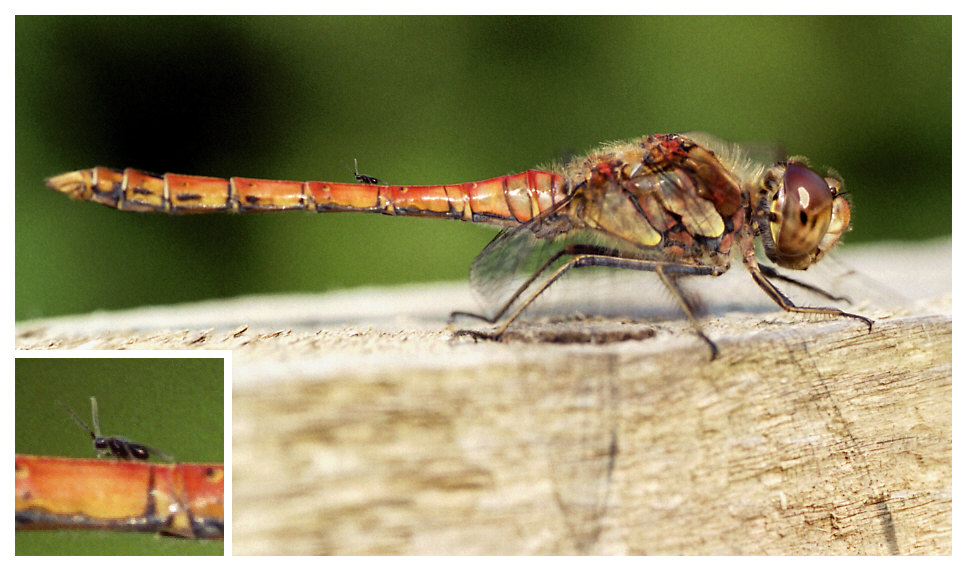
x: 771, y: 272
x: 759, y: 274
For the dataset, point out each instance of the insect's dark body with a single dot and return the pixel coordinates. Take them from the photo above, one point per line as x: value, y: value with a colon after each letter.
x: 114, y: 446
x: 120, y: 448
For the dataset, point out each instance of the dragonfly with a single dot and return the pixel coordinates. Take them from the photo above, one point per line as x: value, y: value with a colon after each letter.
x: 114, y: 446
x: 677, y: 205
x: 182, y: 500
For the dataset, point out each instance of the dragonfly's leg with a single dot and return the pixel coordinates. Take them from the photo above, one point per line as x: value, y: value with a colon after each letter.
x: 672, y: 284
x: 664, y: 270
x: 513, y: 297
x: 784, y: 302
x: 569, y: 250
x: 771, y: 272
x: 576, y: 262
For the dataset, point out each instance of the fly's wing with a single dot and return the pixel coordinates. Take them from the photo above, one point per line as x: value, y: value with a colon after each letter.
x: 159, y: 454
x: 153, y: 454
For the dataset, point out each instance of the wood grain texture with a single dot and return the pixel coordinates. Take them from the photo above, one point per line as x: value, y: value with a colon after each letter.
x: 786, y: 445
x: 376, y: 432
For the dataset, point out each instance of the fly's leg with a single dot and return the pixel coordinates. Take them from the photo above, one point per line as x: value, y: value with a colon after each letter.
x: 771, y: 272
x: 665, y: 271
x: 569, y: 250
x: 759, y: 275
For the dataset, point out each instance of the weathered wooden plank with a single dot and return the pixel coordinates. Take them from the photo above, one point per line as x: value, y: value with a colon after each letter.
x: 377, y: 433
x: 784, y: 446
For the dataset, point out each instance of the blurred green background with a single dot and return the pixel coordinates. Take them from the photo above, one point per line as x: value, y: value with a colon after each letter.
x: 175, y: 405
x: 432, y: 100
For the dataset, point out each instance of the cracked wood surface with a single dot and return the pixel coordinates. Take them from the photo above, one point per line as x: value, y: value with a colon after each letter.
x: 361, y: 426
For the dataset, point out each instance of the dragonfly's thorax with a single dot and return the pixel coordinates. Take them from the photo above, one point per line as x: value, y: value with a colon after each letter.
x: 664, y: 195
x: 799, y: 214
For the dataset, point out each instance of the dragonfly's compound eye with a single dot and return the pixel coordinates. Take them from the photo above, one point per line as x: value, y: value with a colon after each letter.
x: 801, y: 212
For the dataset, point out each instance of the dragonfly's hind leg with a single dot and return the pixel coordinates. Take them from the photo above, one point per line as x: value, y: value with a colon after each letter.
x: 569, y: 250
x: 496, y: 335
x: 513, y: 298
x: 586, y: 256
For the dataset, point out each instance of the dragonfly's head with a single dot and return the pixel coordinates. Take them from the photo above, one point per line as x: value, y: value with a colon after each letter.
x: 101, y: 444
x: 801, y: 214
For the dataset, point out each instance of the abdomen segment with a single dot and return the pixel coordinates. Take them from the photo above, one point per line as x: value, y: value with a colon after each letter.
x: 506, y: 200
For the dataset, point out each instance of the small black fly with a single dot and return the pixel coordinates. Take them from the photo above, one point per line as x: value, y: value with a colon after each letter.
x: 363, y: 178
x: 114, y: 446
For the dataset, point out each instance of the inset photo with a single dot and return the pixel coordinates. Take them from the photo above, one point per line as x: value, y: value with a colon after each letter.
x: 120, y: 453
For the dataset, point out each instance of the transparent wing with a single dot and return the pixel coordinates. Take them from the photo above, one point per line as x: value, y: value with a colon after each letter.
x: 157, y: 454
x: 615, y: 215
x: 516, y: 254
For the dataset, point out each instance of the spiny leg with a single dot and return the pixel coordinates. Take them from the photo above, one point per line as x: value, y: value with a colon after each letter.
x: 683, y: 301
x: 771, y: 272
x: 665, y: 270
x: 569, y: 250
x: 784, y: 302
